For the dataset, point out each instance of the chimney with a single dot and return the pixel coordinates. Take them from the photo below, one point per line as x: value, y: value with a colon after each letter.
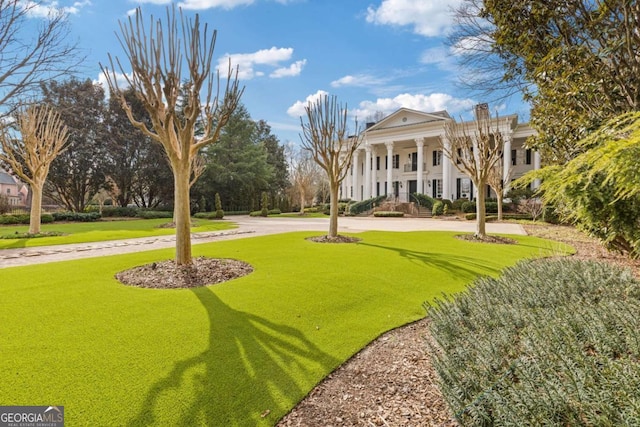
x: 481, y: 111
x: 369, y: 124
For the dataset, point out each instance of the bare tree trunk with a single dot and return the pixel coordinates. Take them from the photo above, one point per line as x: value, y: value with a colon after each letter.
x: 182, y: 214
x: 302, y: 197
x: 480, y: 210
x: 499, y: 198
x: 333, y: 211
x: 36, y: 208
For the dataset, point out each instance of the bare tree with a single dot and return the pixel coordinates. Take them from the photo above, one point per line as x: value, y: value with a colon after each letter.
x: 324, y: 135
x: 304, y: 177
x: 474, y: 150
x: 498, y: 180
x: 158, y: 56
x: 30, y: 53
x: 43, y: 138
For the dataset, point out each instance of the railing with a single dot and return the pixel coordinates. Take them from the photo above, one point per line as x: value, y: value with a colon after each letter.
x: 410, y: 167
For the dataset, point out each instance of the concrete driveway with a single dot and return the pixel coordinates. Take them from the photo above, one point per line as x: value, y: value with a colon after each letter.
x: 247, y: 227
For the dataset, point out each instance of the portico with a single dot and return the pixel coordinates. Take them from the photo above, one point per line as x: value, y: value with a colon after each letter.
x: 401, y: 155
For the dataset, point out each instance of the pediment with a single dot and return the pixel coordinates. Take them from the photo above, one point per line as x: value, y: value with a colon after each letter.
x: 408, y: 117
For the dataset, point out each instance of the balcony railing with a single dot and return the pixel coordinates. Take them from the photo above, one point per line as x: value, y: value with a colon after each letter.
x: 410, y: 167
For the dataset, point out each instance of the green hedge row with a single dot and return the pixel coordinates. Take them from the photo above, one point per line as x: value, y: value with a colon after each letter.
x: 388, y: 214
x: 77, y: 216
x: 553, y: 342
x: 24, y: 219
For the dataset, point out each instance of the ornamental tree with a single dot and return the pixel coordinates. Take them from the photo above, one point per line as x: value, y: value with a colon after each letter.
x: 44, y: 136
x: 172, y: 76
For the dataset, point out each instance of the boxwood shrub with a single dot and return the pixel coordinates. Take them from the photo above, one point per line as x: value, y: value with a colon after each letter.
x: 76, y: 216
x: 144, y: 214
x: 388, y: 214
x: 553, y: 342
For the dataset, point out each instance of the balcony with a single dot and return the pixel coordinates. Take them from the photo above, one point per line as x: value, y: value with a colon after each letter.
x: 412, y: 167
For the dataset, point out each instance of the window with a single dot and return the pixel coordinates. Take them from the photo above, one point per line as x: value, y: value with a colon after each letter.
x: 414, y: 162
x: 436, y: 188
x: 459, y: 156
x: 396, y: 161
x: 8, y: 191
x: 527, y: 157
x: 377, y: 163
x: 437, y: 158
x: 514, y: 154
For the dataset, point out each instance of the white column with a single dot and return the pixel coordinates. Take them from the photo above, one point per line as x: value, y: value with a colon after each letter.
x: 367, y: 172
x: 348, y: 183
x: 389, y: 146
x: 506, y: 163
x: 374, y: 172
x: 354, y: 180
x: 446, y: 169
x: 420, y: 178
x: 536, y: 166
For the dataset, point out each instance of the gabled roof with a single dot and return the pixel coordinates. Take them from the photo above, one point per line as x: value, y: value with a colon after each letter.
x: 5, y: 178
x: 408, y: 117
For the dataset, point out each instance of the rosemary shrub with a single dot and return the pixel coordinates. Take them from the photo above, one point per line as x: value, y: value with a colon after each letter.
x: 550, y: 342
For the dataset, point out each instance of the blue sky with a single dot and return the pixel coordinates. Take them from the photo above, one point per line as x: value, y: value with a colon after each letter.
x: 375, y: 55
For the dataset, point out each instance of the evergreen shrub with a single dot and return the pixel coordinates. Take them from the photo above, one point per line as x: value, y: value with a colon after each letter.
x: 76, y: 216
x: 154, y: 214
x: 550, y: 342
x: 388, y: 214
x: 424, y: 200
x: 438, y: 208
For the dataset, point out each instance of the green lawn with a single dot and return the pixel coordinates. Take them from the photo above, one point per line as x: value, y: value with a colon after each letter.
x: 83, y: 232
x: 221, y: 355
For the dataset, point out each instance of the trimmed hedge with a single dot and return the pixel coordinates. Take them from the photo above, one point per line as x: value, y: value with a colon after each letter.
x: 552, y: 342
x: 24, y: 219
x: 424, y: 200
x: 119, y: 211
x: 488, y: 218
x: 77, y: 216
x: 388, y: 214
x: 489, y: 207
x: 365, y: 205
x: 144, y: 214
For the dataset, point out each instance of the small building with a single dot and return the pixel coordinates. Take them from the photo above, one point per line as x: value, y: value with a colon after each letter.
x: 15, y: 191
x: 401, y: 155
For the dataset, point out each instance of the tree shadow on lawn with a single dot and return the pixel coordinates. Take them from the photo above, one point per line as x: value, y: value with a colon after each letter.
x: 246, y: 373
x: 463, y: 267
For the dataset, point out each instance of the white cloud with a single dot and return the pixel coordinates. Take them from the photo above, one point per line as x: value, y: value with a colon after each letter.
x: 297, y: 109
x: 271, y: 58
x: 359, y: 80
x: 428, y: 18
x: 420, y: 102
x: 120, y: 79
x: 291, y: 71
x: 208, y: 4
x: 45, y: 9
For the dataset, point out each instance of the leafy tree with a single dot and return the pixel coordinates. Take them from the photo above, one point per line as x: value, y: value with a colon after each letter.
x: 475, y: 151
x: 324, y: 135
x: 599, y: 189
x: 80, y: 171
x: 127, y: 147
x: 44, y: 137
x: 575, y: 60
x: 237, y: 166
x: 158, y: 57
x: 276, y: 158
x: 32, y: 53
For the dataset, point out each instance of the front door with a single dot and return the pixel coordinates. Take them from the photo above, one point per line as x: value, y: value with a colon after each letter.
x: 413, y: 186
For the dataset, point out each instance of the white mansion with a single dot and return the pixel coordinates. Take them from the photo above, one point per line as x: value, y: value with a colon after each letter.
x: 400, y: 155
